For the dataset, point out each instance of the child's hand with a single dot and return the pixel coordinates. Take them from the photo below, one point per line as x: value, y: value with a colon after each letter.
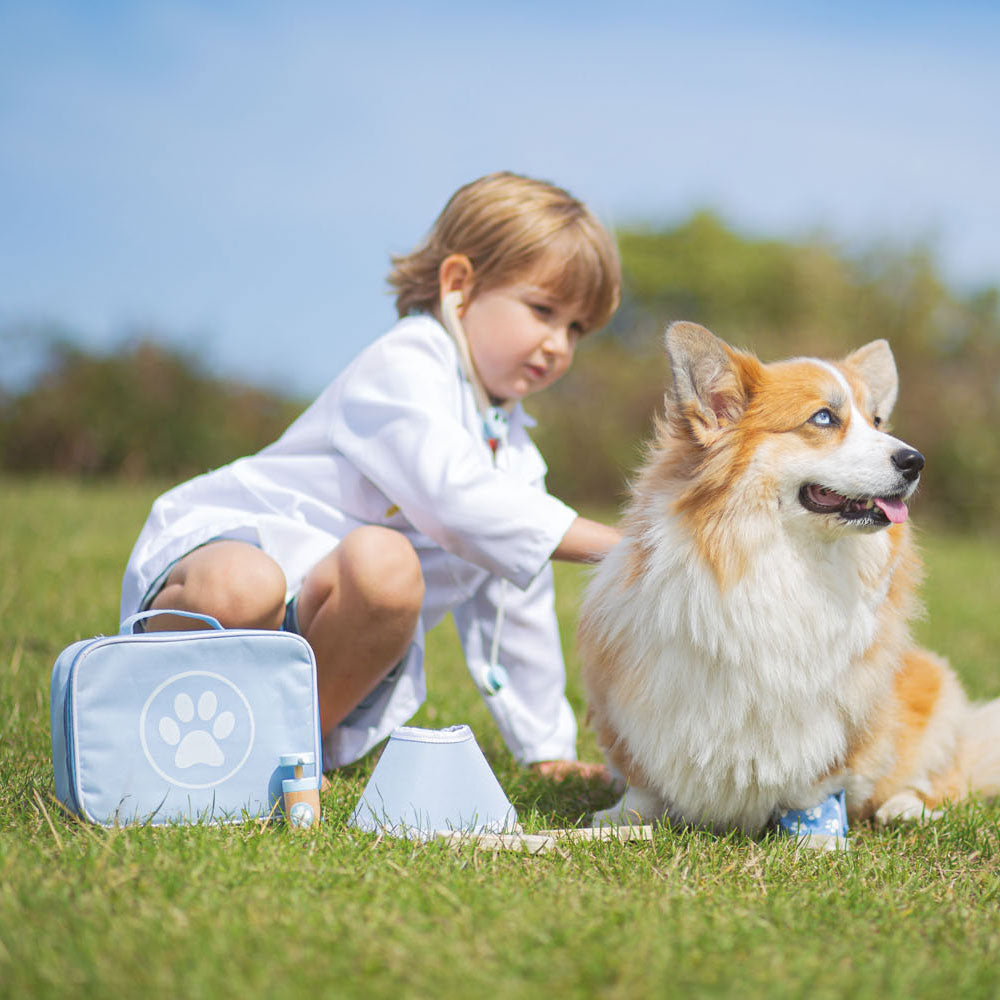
x: 557, y: 770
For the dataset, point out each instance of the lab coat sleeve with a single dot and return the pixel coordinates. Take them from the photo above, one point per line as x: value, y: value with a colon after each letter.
x: 531, y: 710
x: 399, y: 420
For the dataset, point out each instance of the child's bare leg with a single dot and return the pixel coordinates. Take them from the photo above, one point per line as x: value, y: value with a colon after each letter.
x: 232, y: 581
x: 359, y: 607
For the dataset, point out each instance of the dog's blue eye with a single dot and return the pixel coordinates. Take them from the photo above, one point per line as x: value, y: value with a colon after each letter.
x: 823, y: 418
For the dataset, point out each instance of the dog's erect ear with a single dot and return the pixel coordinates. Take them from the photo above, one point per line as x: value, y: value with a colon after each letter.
x: 707, y: 391
x: 876, y: 365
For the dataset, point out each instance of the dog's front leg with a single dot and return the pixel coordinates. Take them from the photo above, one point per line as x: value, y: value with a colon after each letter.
x: 635, y: 807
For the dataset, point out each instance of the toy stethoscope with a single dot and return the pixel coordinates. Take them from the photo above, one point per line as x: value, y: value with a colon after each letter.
x: 494, y: 420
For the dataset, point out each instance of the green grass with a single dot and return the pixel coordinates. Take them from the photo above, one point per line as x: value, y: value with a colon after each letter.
x: 207, y: 912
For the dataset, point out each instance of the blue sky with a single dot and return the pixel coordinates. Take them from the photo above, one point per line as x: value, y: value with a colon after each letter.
x: 236, y: 175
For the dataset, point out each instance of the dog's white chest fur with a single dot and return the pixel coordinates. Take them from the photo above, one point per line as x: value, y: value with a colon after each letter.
x: 736, y: 701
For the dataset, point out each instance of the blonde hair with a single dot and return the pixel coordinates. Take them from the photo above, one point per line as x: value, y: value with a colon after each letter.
x: 509, y: 226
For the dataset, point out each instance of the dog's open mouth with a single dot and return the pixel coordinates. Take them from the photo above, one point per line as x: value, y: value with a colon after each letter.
x: 879, y: 511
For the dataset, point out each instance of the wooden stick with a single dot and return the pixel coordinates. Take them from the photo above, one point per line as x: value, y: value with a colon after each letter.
x: 622, y: 833
x: 547, y: 840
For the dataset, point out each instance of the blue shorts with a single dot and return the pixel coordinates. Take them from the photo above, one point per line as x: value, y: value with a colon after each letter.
x: 291, y: 620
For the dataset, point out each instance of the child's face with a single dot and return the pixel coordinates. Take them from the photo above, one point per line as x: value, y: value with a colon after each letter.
x: 521, y: 338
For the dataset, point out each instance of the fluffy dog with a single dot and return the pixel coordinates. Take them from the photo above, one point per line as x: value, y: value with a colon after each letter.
x: 746, y: 648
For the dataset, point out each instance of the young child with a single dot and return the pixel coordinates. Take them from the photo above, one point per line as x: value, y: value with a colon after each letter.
x: 387, y: 504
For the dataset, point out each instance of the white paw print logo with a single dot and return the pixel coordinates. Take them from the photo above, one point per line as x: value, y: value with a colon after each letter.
x: 198, y: 745
x: 196, y: 729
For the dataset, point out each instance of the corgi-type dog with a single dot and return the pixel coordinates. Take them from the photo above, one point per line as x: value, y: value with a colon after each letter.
x: 746, y: 648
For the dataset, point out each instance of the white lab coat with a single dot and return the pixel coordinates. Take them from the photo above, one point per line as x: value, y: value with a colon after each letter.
x: 395, y: 440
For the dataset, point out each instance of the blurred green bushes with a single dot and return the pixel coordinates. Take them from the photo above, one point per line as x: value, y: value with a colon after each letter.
x: 144, y: 411
x: 150, y: 411
x: 782, y: 299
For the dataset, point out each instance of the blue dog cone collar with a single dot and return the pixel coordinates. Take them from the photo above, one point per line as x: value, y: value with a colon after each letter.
x: 433, y: 780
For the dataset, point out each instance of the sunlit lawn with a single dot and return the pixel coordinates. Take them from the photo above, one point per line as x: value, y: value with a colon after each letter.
x: 208, y: 912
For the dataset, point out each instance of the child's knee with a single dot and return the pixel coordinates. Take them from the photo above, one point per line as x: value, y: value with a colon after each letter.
x: 383, y: 569
x: 234, y: 582
x: 257, y: 597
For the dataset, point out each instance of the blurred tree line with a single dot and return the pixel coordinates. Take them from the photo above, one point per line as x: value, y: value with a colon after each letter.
x: 143, y: 411
x: 147, y: 410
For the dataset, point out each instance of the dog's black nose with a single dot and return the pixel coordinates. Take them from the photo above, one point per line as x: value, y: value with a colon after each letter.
x: 909, y: 463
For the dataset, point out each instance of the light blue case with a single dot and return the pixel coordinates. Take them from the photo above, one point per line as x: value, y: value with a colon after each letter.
x: 179, y: 727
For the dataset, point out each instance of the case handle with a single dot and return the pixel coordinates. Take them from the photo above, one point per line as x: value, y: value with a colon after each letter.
x: 128, y: 626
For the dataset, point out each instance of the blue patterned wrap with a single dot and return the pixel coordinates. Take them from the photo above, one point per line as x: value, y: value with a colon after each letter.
x: 829, y: 818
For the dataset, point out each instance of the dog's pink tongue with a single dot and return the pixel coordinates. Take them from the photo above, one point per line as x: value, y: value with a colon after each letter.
x: 895, y: 510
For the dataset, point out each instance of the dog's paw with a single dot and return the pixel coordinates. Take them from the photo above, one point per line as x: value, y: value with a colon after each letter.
x: 635, y: 808
x: 905, y: 807
x: 616, y: 816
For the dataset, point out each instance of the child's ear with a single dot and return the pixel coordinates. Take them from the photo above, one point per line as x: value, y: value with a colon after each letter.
x: 455, y: 275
